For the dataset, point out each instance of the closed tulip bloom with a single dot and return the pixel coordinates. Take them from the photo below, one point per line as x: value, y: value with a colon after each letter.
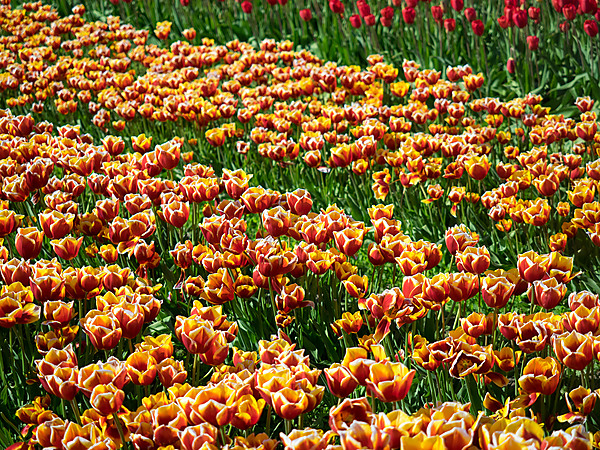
x: 548, y: 293
x: 496, y: 291
x: 349, y: 240
x: 170, y: 372
x: 540, y: 375
x: 299, y: 201
x: 61, y: 383
x: 511, y: 66
x: 216, y: 351
x: 130, y: 317
x: 176, y: 213
x: 102, y: 329
x: 168, y: 154
x: 115, y: 276
x: 247, y: 412
x: 66, y: 248
x: 591, y: 28
x: 305, y: 14
x: 574, y: 350
x: 47, y: 284
x: 459, y: 238
x: 473, y: 259
x: 276, y: 221
x: 107, y: 399
x: 112, y: 372
x: 8, y: 221
x: 194, y: 437
x: 462, y: 286
x: 214, y: 404
x: 532, y: 266
x: 16, y: 270
x: 582, y: 319
x: 55, y: 224
x: 477, y: 167
x: 412, y: 262
x: 340, y: 380
x: 28, y: 242
x: 167, y: 421
x: 361, y: 435
x: 159, y: 347
x: 77, y: 436
x: 58, y: 313
x: 290, y: 403
x: 533, y: 42
x: 389, y: 382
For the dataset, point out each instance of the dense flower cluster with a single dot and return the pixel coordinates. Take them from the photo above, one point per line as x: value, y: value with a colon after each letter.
x: 135, y: 275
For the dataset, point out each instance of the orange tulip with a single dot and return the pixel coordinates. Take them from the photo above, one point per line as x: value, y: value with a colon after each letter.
x: 107, y: 399
x: 389, y: 382
x: 574, y: 350
x: 540, y: 375
x: 102, y: 329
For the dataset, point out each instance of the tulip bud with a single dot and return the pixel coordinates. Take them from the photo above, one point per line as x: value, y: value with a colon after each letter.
x: 511, y: 66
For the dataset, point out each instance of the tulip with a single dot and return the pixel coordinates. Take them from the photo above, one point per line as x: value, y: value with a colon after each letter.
x: 511, y: 66
x: 540, y: 375
x: 171, y: 372
x: 107, y: 399
x: 355, y: 21
x: 305, y: 14
x: 102, y: 329
x: 573, y: 349
x: 193, y: 437
x: 176, y: 213
x: 408, y: 15
x: 290, y: 403
x: 141, y: 368
x: 473, y: 259
x: 591, y: 28
x: 389, y: 382
x: 496, y: 291
x: 533, y: 42
x: 55, y: 224
x: 548, y: 293
x: 66, y: 248
x: 306, y: 439
x: 247, y: 412
x: 28, y: 242
x: 247, y: 7
x: 340, y: 380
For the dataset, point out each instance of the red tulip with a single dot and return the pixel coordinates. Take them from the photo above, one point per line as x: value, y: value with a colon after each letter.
x: 355, y: 21
x: 533, y: 42
x: 511, y: 66
x: 478, y: 27
x: 305, y: 14
x: 247, y: 7
x: 591, y: 28
x: 437, y: 12
x: 470, y: 14
x: 519, y: 17
x: 449, y: 25
x: 457, y: 5
x: 409, y: 14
